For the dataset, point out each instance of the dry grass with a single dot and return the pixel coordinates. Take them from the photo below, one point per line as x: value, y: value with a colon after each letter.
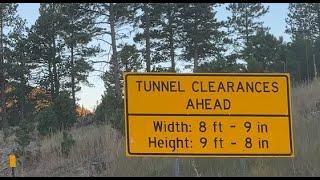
x: 99, y: 151
x: 306, y: 135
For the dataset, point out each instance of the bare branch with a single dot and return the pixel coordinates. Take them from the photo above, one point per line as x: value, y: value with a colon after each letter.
x: 95, y: 62
x: 96, y: 70
x: 102, y: 33
x: 122, y: 29
x: 104, y: 54
x: 96, y: 76
x: 100, y: 39
x: 101, y: 22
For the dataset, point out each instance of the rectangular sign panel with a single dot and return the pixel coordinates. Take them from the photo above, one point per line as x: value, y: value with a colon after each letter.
x: 199, y: 114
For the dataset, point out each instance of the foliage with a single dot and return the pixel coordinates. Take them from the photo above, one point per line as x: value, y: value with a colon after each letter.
x: 107, y: 113
x: 201, y: 36
x: 47, y: 121
x: 130, y: 59
x: 65, y: 113
x: 268, y: 54
x: 24, y: 136
x: 243, y: 24
x: 59, y: 116
x: 227, y: 65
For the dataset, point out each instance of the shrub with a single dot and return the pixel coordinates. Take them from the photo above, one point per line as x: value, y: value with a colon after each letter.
x: 66, y: 144
x: 111, y: 112
x: 58, y: 116
x: 47, y: 121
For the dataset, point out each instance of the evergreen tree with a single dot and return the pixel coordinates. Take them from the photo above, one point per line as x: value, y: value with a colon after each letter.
x: 313, y: 15
x: 302, y: 25
x: 314, y: 24
x: 58, y: 116
x: 130, y: 59
x: 298, y: 21
x: 115, y: 16
x: 8, y: 16
x: 19, y: 73
x: 227, y: 64
x: 300, y: 69
x: 268, y: 53
x: 46, y: 48
x: 146, y: 16
x: 77, y: 31
x: 166, y: 34
x: 244, y: 22
x: 201, y: 36
x: 110, y: 110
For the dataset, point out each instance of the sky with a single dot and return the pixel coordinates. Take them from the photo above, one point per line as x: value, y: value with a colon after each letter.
x: 89, y: 97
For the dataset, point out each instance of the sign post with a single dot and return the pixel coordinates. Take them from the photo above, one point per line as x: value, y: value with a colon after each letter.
x: 208, y: 115
x: 176, y: 168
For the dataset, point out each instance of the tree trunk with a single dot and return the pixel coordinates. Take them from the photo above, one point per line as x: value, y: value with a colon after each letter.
x: 247, y: 35
x: 115, y: 55
x: 171, y: 41
x: 196, y: 55
x: 243, y: 162
x: 55, y: 73
x: 51, y: 78
x: 318, y: 18
x: 196, y: 60
x: 23, y: 95
x: 3, y: 83
x: 126, y: 66
x: 247, y: 31
x: 54, y: 63
x: 299, y: 71
x: 147, y: 33
x: 73, y: 86
x: 307, y: 61
x: 314, y: 67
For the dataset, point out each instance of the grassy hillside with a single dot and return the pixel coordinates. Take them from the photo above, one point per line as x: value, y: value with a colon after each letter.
x: 100, y: 151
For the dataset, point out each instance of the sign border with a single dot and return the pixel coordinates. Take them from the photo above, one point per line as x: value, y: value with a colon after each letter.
x: 228, y: 155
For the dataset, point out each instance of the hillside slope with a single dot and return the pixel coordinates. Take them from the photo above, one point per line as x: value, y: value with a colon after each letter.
x: 100, y: 151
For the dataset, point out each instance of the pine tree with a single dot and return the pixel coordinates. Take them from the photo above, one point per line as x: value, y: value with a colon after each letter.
x: 226, y: 64
x: 302, y: 26
x: 46, y: 48
x: 110, y: 110
x: 19, y: 70
x: 77, y: 30
x: 268, y: 53
x: 145, y: 17
x: 201, y: 36
x: 111, y: 17
x: 298, y: 21
x: 296, y: 55
x: 130, y: 59
x: 8, y: 16
x: 314, y: 24
x: 244, y: 23
x: 166, y: 34
x: 312, y: 13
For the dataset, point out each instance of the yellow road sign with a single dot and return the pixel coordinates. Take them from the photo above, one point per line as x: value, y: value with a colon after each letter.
x: 213, y: 114
x: 12, y: 161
